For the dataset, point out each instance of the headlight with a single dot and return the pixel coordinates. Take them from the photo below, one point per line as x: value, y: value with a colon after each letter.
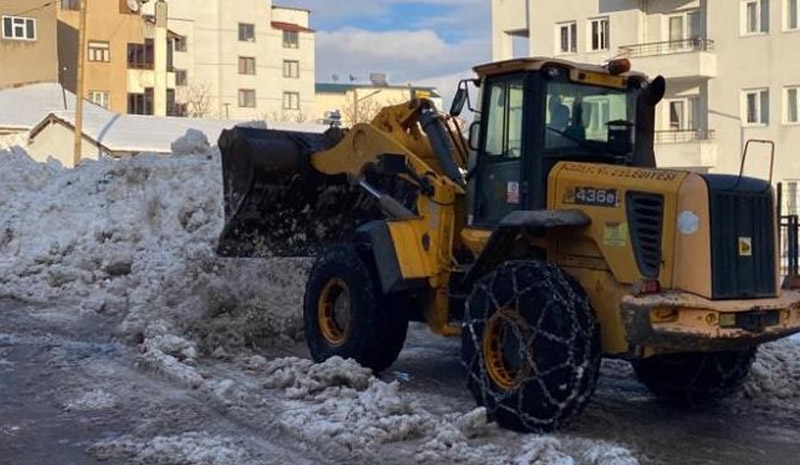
x: 688, y: 222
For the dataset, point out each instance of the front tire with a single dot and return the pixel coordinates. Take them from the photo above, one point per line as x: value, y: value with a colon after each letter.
x: 345, y: 313
x: 695, y: 377
x: 531, y: 346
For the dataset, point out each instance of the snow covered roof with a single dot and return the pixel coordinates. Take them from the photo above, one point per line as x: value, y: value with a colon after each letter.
x: 24, y: 106
x: 137, y: 133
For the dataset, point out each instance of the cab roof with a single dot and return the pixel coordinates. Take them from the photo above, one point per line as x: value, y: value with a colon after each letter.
x: 537, y: 63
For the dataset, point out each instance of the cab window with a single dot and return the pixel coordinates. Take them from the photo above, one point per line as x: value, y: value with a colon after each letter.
x: 504, y: 128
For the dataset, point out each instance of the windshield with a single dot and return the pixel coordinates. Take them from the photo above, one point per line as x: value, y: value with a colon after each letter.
x: 579, y: 113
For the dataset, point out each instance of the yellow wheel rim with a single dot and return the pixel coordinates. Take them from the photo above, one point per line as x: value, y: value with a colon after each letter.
x: 501, y: 349
x: 334, y: 312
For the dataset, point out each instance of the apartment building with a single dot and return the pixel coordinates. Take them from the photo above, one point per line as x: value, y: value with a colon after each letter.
x: 127, y: 68
x: 28, y: 50
x: 731, y: 67
x: 350, y: 103
x: 255, y: 61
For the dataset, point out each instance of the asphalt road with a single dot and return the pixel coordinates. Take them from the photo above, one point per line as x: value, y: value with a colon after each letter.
x: 49, y: 356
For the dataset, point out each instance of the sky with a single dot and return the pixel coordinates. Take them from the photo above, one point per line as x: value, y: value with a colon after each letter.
x: 425, y: 42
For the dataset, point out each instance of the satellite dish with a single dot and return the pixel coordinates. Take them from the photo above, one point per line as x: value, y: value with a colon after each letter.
x: 134, y: 6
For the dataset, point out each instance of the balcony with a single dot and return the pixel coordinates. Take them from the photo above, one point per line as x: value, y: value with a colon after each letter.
x: 141, y: 79
x: 676, y: 59
x: 690, y: 148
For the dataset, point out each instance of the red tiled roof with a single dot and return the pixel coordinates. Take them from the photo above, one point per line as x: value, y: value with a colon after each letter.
x: 290, y: 27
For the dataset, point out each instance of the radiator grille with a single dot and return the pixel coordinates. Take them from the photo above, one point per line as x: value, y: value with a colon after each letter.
x: 742, y: 219
x: 645, y: 219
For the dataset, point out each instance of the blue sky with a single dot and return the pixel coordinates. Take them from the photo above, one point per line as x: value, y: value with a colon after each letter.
x: 432, y: 42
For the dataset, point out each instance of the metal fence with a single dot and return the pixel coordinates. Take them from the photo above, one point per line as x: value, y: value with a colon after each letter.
x: 789, y: 227
x: 667, y: 47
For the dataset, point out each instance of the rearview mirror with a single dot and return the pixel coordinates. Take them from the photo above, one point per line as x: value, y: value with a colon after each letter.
x: 655, y: 91
x: 458, y: 101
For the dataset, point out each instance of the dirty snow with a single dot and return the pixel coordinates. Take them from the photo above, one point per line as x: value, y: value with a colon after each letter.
x: 96, y: 399
x: 135, y: 238
x: 776, y: 374
x: 186, y: 449
x: 339, y: 404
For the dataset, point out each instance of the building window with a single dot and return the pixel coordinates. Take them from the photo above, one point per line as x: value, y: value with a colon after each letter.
x: 247, y: 32
x: 70, y: 4
x: 141, y: 104
x: 684, y: 114
x: 99, y: 51
x: 683, y: 29
x: 181, y: 78
x: 141, y: 56
x: 291, y: 39
x: 567, y: 39
x: 19, y: 28
x: 600, y: 34
x: 100, y: 98
x: 792, y: 14
x: 247, y: 65
x: 247, y: 98
x: 792, y: 105
x: 291, y: 101
x: 180, y: 43
x: 756, y: 107
x: 755, y: 17
x: 291, y: 69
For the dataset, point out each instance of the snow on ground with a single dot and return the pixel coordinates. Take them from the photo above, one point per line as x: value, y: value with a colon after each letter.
x: 339, y: 404
x: 185, y: 449
x: 776, y: 374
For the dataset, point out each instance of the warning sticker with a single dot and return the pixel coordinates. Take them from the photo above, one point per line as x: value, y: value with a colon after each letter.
x: 512, y: 193
x: 615, y: 234
x: 745, y: 246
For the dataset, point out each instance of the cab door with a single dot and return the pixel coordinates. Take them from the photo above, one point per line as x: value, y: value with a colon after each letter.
x: 499, y: 189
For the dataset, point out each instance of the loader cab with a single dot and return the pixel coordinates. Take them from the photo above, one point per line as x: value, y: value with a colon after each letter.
x: 535, y: 113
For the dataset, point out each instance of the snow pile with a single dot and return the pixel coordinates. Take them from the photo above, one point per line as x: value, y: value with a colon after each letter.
x: 349, y: 407
x: 184, y: 449
x: 193, y: 142
x: 339, y: 405
x: 135, y: 239
x: 775, y: 376
x: 171, y: 356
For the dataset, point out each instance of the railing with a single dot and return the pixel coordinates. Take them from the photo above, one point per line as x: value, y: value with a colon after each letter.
x: 668, y: 47
x: 789, y: 229
x: 683, y: 136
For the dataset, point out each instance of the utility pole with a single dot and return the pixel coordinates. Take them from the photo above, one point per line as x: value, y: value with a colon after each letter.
x: 76, y: 157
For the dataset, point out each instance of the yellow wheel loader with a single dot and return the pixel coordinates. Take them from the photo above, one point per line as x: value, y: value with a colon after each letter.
x: 546, y: 240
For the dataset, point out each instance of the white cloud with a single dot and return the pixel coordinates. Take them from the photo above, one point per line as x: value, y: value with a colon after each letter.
x: 429, y: 50
x: 419, y: 56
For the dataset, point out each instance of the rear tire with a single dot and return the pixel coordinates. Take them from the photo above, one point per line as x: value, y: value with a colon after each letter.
x: 531, y: 346
x: 696, y: 377
x: 345, y: 313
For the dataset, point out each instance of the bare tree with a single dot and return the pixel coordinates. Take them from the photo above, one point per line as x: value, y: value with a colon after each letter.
x: 196, y: 100
x: 362, y: 112
x: 300, y: 116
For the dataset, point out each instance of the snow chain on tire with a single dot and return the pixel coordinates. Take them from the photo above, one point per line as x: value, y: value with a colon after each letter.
x: 557, y: 341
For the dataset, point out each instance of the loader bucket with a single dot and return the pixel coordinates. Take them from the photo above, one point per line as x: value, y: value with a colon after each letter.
x: 276, y: 204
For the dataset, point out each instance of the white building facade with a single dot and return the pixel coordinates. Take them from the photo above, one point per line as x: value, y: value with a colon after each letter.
x: 732, y: 69
x: 254, y: 60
